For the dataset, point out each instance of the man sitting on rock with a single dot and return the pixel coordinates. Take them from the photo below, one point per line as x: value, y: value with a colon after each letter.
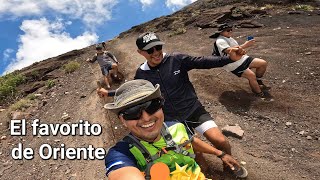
x: 225, y: 45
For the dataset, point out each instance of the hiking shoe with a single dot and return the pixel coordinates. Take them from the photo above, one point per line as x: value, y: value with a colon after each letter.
x: 260, y: 95
x: 262, y: 85
x: 240, y: 172
x: 260, y: 82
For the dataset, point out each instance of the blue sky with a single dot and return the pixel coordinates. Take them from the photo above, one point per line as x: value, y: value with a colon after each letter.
x: 34, y: 30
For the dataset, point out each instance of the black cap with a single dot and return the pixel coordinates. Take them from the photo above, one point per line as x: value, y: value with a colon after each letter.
x: 221, y: 28
x: 148, y: 40
x: 99, y: 46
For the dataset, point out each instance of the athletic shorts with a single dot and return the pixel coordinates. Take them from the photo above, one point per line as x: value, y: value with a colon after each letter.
x: 200, y: 120
x: 106, y: 68
x: 238, y: 72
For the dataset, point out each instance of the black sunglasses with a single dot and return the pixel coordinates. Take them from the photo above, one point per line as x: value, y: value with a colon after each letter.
x: 135, y: 112
x: 229, y: 30
x: 151, y: 50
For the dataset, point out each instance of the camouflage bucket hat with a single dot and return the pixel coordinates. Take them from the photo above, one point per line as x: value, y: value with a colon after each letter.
x: 133, y: 93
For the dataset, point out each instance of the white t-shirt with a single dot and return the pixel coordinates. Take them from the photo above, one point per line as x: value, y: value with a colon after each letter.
x: 224, y: 43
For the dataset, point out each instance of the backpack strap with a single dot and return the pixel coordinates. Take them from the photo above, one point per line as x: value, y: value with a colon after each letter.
x: 215, y: 49
x: 174, y: 146
x: 149, y: 159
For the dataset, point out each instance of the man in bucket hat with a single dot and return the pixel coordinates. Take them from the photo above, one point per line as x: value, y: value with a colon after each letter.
x: 225, y: 45
x: 181, y: 102
x: 151, y: 143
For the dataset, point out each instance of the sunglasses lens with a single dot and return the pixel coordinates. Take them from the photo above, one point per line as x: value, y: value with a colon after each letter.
x: 135, y: 112
x: 158, y: 47
x: 155, y: 105
x: 151, y: 50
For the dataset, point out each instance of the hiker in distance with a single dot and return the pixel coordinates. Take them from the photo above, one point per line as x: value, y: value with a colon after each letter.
x: 153, y: 146
x: 225, y: 45
x: 171, y: 72
x: 107, y: 61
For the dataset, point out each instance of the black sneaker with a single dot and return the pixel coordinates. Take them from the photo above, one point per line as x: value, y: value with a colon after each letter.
x: 262, y: 85
x: 260, y: 95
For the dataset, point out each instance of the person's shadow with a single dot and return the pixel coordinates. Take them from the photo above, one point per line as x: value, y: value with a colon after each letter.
x: 237, y: 102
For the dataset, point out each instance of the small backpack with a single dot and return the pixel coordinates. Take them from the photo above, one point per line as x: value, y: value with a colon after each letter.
x: 215, y: 50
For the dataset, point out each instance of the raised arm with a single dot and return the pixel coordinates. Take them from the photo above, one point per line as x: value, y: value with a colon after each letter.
x: 126, y: 173
x: 93, y: 59
x: 113, y: 57
x: 248, y: 44
x: 105, y: 93
x: 202, y: 62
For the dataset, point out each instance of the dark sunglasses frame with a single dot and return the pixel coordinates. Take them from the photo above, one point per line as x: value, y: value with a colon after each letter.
x: 229, y: 30
x: 151, y: 50
x: 135, y: 112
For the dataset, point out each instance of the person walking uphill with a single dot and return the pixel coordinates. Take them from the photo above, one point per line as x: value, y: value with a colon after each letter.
x: 107, y: 62
x: 153, y: 149
x: 225, y: 45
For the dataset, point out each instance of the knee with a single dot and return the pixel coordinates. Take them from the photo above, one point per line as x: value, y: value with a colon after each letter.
x: 114, y: 65
x: 264, y: 63
x: 251, y: 76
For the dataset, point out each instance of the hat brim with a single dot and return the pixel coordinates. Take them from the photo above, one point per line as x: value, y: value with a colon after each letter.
x: 152, y: 44
x: 116, y: 109
x: 215, y: 35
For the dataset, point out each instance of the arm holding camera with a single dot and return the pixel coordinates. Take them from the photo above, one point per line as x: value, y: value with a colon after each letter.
x: 250, y: 42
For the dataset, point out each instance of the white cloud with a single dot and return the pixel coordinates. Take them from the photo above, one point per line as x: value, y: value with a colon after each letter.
x: 6, y: 54
x: 43, y: 39
x: 92, y: 12
x: 146, y: 3
x: 177, y: 4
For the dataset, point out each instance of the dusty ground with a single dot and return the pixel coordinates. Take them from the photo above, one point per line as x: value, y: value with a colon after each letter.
x: 281, y: 138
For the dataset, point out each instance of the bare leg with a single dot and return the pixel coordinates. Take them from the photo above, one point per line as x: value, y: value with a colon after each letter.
x: 215, y: 136
x: 260, y: 65
x: 251, y: 76
x: 115, y: 69
x: 106, y: 80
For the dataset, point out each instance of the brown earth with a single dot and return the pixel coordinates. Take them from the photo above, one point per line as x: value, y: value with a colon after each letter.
x: 281, y: 138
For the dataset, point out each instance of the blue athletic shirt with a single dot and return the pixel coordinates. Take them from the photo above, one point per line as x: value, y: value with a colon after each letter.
x: 119, y: 156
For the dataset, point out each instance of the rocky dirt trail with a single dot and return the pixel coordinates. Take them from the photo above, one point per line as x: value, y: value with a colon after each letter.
x: 281, y: 139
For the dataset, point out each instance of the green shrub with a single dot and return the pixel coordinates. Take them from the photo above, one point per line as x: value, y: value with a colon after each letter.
x: 268, y: 6
x: 21, y: 104
x: 50, y: 83
x: 31, y: 97
x: 9, y: 83
x: 71, y: 67
x: 303, y: 7
x: 177, y: 32
x: 35, y: 74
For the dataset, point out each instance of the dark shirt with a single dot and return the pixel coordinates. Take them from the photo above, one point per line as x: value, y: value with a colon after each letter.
x: 172, y: 75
